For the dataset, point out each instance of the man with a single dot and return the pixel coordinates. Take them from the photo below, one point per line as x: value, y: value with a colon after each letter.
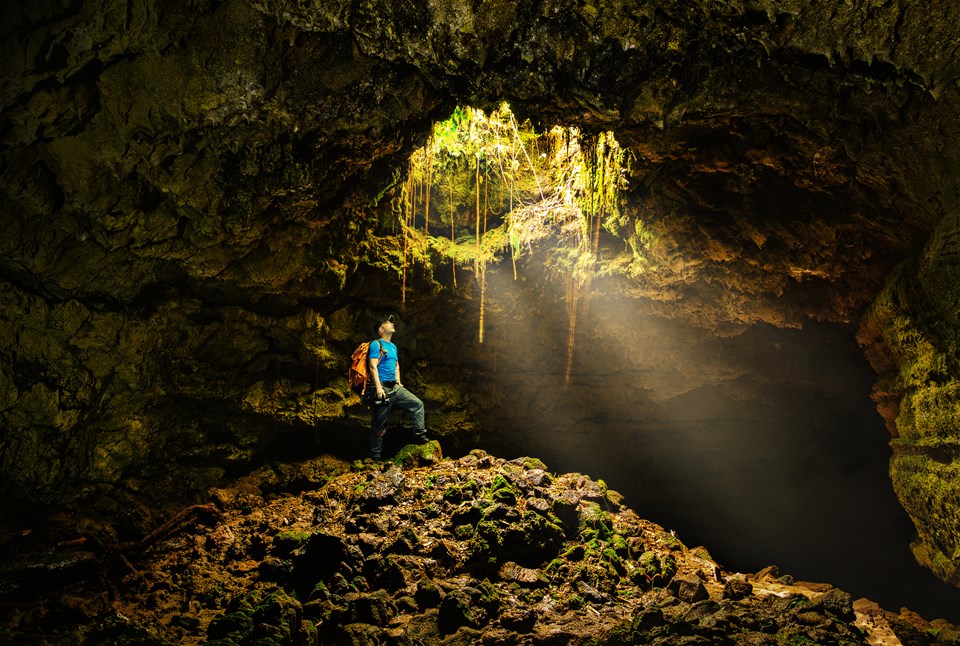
x: 385, y: 374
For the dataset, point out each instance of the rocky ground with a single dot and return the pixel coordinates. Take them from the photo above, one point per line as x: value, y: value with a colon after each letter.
x: 423, y: 550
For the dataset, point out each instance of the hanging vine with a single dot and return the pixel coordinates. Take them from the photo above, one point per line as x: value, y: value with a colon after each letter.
x: 555, y: 190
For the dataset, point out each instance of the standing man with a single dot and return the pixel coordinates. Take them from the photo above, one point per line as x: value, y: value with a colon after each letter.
x: 385, y: 373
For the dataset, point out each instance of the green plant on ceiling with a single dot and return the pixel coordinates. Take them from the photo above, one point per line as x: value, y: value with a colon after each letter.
x: 583, y: 197
x: 470, y: 163
x: 499, y: 186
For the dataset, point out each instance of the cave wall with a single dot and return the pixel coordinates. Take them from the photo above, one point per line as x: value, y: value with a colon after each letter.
x: 911, y: 335
x: 196, y: 218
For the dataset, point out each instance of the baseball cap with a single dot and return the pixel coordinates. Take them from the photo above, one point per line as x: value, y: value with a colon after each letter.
x: 381, y: 319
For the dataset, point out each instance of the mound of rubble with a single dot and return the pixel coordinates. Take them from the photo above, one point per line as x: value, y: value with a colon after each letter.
x: 426, y: 550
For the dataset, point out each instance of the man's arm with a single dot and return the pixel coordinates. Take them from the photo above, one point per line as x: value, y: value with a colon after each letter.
x: 375, y: 374
x: 399, y: 383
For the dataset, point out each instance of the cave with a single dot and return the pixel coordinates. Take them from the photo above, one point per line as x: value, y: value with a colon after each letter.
x: 206, y: 206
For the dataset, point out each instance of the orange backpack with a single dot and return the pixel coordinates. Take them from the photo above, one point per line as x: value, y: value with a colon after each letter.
x: 357, y: 375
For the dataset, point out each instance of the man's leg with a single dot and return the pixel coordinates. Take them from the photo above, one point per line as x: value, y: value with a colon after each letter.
x: 408, y: 401
x: 378, y: 424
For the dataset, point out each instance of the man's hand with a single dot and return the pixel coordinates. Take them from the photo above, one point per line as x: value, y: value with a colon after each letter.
x: 380, y: 393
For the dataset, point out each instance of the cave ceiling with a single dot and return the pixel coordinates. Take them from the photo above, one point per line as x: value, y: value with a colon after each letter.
x: 780, y: 149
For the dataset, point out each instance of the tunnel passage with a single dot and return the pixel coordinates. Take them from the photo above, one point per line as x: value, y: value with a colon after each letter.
x: 195, y: 201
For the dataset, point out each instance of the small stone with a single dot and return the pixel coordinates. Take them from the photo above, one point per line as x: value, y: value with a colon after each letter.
x: 810, y: 618
x: 838, y: 603
x: 384, y: 488
x: 510, y: 571
x: 456, y: 610
x: 427, y: 594
x: 769, y: 572
x: 736, y: 589
x: 538, y: 505
x: 565, y: 506
x: 689, y: 589
x: 375, y: 608
x: 537, y: 477
x: 520, y: 620
x: 590, y: 593
x: 274, y: 569
x: 700, y: 610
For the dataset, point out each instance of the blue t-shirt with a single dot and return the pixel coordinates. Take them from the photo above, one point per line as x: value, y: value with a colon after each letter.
x: 387, y: 368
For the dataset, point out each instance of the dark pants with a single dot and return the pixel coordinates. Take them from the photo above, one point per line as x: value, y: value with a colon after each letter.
x: 396, y: 396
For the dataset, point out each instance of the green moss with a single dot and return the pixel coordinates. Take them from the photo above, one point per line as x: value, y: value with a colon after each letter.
x: 932, y: 410
x: 499, y: 482
x: 619, y: 543
x: 615, y: 497
x: 610, y: 555
x: 672, y: 542
x: 930, y: 492
x: 593, y: 516
x: 653, y: 570
x: 415, y: 455
x: 505, y: 496
x: 286, y: 542
x: 792, y: 636
x: 486, y: 542
x: 556, y: 566
x: 269, y: 608
x: 453, y: 494
x: 534, y: 463
x: 320, y: 591
x: 574, y: 602
x: 489, y: 597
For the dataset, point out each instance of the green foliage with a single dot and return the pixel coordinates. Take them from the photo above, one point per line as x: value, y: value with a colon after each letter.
x: 485, y: 186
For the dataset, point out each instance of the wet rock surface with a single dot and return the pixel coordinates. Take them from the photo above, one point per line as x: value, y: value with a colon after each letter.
x: 438, y: 559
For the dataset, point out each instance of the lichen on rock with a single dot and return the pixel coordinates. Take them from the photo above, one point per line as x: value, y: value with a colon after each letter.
x: 913, y: 345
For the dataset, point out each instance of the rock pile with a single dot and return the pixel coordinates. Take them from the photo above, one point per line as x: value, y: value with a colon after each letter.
x: 425, y: 550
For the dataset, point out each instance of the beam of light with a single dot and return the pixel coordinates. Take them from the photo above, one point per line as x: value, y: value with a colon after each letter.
x: 763, y: 446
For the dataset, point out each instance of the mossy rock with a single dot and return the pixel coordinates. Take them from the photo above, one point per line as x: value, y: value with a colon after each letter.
x: 500, y: 482
x: 531, y: 541
x: 418, y: 455
x: 593, y: 516
x: 506, y: 496
x: 358, y: 635
x: 652, y: 570
x: 427, y: 594
x: 286, y: 542
x: 376, y: 608
x: 236, y: 624
x: 459, y: 492
x: 619, y: 544
x: 463, y: 607
x: 534, y: 463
